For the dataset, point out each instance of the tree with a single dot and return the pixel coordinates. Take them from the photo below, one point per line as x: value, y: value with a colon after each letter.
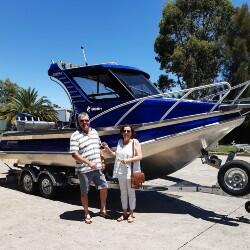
x: 8, y: 89
x: 237, y: 47
x: 27, y: 101
x: 164, y: 83
x: 188, y: 42
x: 236, y: 68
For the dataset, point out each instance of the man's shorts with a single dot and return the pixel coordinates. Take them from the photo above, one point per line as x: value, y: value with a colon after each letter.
x: 96, y: 176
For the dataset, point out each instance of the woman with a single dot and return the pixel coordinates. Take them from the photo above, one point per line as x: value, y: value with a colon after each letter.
x: 124, y: 156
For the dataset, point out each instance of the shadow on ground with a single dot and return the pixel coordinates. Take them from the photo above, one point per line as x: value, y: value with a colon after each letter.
x: 147, y: 202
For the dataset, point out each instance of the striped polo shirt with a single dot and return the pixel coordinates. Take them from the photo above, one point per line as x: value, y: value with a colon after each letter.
x: 88, y: 146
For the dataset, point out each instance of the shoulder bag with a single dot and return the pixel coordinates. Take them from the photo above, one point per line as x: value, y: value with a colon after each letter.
x: 137, y: 178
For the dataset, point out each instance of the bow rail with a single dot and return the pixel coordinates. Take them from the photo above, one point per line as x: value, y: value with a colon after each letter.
x: 225, y: 86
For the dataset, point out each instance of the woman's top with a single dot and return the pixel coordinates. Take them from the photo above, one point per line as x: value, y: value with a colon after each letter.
x: 122, y: 170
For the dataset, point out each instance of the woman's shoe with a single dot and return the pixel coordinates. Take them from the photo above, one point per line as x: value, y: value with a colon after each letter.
x: 122, y: 218
x: 131, y: 219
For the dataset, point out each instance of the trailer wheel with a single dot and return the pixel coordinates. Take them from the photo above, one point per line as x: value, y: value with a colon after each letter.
x: 46, y: 187
x: 27, y: 183
x: 247, y: 206
x: 234, y: 178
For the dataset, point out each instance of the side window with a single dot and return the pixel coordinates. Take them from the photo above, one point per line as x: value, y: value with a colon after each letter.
x: 95, y: 89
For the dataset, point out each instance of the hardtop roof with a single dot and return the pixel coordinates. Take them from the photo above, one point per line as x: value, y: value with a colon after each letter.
x: 72, y: 68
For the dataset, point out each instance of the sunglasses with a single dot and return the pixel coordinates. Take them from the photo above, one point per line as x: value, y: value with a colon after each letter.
x: 126, y: 131
x: 84, y: 120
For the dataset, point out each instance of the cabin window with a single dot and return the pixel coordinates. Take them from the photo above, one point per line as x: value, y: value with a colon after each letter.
x: 138, y: 84
x: 97, y: 87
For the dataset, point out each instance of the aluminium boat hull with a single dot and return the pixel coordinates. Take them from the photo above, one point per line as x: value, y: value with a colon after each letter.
x: 161, y: 156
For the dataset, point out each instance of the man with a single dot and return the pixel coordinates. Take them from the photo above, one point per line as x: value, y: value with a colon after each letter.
x: 85, y: 149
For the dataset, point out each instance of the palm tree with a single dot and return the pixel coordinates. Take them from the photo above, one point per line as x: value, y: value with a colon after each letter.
x: 27, y: 101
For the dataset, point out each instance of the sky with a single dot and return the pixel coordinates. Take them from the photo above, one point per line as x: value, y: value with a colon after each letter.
x: 32, y: 33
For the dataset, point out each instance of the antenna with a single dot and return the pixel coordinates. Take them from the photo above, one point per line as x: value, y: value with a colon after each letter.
x: 85, y: 59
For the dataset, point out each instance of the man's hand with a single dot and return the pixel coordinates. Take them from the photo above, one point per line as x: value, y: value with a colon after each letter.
x: 103, y: 166
x: 92, y: 165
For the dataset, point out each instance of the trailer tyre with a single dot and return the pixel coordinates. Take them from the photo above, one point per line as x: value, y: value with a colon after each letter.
x: 247, y: 206
x: 234, y: 178
x: 46, y: 187
x: 27, y: 183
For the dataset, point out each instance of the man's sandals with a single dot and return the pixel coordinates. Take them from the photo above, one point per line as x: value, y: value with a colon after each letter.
x: 105, y: 215
x: 88, y: 219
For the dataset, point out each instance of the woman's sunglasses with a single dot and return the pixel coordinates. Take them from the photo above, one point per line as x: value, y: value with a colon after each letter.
x: 126, y: 131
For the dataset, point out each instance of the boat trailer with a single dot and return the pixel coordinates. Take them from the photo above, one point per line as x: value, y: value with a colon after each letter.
x: 233, y: 179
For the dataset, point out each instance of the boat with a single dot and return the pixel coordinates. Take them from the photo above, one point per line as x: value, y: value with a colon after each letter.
x: 173, y: 127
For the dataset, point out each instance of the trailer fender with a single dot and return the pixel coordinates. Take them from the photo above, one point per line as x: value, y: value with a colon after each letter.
x: 33, y: 172
x: 55, y: 178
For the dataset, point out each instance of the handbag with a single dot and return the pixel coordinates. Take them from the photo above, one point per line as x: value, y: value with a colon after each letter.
x: 137, y: 178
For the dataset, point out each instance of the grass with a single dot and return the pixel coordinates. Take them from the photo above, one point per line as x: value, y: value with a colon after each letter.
x: 225, y: 149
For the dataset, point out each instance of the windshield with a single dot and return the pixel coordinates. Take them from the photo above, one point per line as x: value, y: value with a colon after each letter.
x: 139, y: 85
x: 100, y: 87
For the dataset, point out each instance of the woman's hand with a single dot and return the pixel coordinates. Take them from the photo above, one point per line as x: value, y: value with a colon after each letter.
x: 125, y: 161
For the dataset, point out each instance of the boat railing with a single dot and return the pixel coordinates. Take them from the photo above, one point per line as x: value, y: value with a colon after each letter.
x: 191, y: 90
x: 244, y: 86
x: 186, y: 92
x: 222, y: 94
x: 225, y: 86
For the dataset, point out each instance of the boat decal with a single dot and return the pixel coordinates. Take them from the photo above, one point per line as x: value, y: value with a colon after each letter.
x: 90, y: 109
